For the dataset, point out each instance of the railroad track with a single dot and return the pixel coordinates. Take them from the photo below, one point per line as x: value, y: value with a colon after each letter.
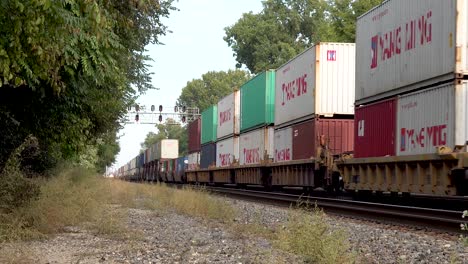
x: 442, y: 220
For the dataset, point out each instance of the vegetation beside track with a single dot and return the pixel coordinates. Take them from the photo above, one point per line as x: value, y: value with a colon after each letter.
x: 78, y: 197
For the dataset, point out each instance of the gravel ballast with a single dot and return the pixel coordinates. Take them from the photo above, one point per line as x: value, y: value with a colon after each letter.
x: 163, y: 236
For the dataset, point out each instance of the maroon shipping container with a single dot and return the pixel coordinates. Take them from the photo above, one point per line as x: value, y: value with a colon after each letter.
x: 194, y: 136
x: 339, y: 132
x: 375, y: 127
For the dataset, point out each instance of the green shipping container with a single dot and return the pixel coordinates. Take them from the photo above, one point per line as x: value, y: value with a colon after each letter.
x: 209, y: 124
x: 258, y: 101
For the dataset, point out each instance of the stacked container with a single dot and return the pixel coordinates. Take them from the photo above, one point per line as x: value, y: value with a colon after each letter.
x: 410, y: 92
x: 209, y: 126
x: 315, y: 96
x: 194, y: 146
x: 257, y: 116
x: 227, y: 146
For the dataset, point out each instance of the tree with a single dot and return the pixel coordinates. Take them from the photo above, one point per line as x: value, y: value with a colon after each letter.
x: 169, y: 130
x: 213, y: 86
x: 67, y: 72
x: 284, y: 28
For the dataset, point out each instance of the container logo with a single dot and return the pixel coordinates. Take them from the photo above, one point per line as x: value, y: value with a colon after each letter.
x: 331, y: 55
x: 283, y: 154
x: 251, y: 156
x: 225, y: 159
x: 419, y: 138
x: 224, y: 117
x: 416, y: 32
x: 294, y: 88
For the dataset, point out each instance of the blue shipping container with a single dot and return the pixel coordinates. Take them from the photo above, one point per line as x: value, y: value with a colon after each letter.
x: 208, y: 155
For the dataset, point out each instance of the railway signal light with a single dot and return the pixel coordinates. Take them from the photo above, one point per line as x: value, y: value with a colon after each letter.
x: 153, y: 108
x: 184, y: 109
x: 137, y: 117
x: 176, y: 109
x: 137, y: 108
x: 160, y: 108
x: 183, y: 119
x: 160, y: 118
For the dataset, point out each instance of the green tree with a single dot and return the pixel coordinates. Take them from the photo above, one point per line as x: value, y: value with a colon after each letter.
x: 284, y: 28
x: 169, y: 130
x: 213, y: 86
x: 67, y: 72
x: 343, y: 16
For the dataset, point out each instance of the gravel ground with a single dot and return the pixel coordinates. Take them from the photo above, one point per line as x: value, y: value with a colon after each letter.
x: 374, y: 243
x: 167, y: 237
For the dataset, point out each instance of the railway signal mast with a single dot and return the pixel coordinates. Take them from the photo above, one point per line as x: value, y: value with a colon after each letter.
x: 148, y: 115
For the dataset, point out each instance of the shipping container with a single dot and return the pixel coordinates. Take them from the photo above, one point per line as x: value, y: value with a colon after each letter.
x: 208, y: 155
x: 227, y: 151
x: 229, y: 116
x: 339, y: 134
x: 258, y: 101
x: 404, y: 44
x: 194, y: 161
x: 318, y: 82
x: 194, y: 136
x: 283, y: 145
x: 167, y: 149
x: 256, y: 146
x: 147, y: 155
x: 209, y: 124
x: 181, y: 167
x: 375, y: 127
x: 432, y: 117
x: 153, y: 151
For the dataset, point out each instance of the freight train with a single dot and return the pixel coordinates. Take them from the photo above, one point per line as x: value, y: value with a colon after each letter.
x: 387, y: 114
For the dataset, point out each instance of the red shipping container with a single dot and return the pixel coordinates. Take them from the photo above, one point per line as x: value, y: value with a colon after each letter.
x: 339, y: 134
x: 194, y: 136
x: 375, y: 127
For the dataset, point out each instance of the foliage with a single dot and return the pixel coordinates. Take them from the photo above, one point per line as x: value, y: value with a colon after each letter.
x: 464, y: 227
x: 169, y: 130
x: 213, y: 86
x: 309, y: 235
x: 284, y: 28
x: 68, y: 70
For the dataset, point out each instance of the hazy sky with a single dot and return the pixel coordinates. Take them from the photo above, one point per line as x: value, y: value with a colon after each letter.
x: 195, y: 47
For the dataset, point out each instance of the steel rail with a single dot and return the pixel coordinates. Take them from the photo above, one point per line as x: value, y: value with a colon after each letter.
x: 444, y: 220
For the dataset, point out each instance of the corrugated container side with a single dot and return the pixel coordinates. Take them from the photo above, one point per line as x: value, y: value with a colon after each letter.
x: 319, y: 81
x: 338, y: 132
x: 255, y: 144
x: 208, y: 155
x: 375, y: 127
x: 406, y: 44
x: 227, y: 151
x: 431, y: 118
x: 194, y: 136
x: 147, y: 155
x: 283, y: 145
x: 228, y: 115
x: 169, y: 149
x: 209, y: 124
x: 193, y: 161
x: 258, y: 101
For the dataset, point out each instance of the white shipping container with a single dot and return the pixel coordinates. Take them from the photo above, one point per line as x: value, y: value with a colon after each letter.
x: 227, y: 151
x: 229, y: 115
x: 319, y: 81
x: 432, y: 117
x: 193, y: 161
x: 402, y: 45
x: 253, y: 146
x: 283, y: 145
x: 167, y: 149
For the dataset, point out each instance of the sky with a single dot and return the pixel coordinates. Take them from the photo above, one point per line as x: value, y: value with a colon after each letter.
x: 194, y: 47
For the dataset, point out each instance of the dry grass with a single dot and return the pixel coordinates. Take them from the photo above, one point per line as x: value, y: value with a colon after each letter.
x: 185, y: 201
